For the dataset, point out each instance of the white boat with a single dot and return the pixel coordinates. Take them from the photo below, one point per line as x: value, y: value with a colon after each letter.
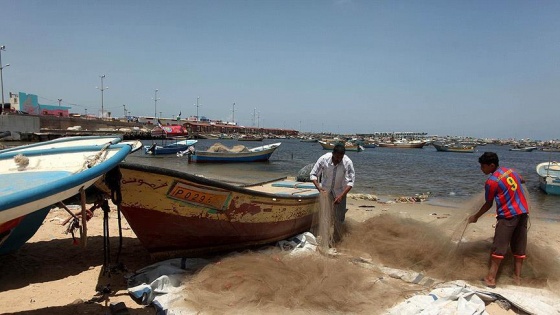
x: 403, y: 144
x: 36, y: 177
x: 549, y: 173
x: 171, y: 148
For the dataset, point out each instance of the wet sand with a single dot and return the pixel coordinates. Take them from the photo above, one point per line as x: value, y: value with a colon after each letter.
x: 50, y: 275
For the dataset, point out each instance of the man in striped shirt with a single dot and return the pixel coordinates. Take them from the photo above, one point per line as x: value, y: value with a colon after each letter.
x: 504, y: 186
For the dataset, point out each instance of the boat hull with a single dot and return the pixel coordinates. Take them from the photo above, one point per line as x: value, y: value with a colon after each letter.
x: 260, y: 154
x: 215, y: 157
x: 454, y: 148
x: 525, y: 149
x: 401, y: 145
x: 49, y: 176
x: 549, y: 177
x: 179, y: 214
x: 14, y: 233
x: 172, y: 148
x: 550, y: 185
x: 330, y: 146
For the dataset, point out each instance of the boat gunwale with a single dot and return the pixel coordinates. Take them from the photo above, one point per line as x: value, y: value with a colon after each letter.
x: 244, y: 189
x: 15, y: 200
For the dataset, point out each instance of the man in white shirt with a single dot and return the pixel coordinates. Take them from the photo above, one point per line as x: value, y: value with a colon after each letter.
x: 336, y: 172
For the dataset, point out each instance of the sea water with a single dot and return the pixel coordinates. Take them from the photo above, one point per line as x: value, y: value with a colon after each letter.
x: 385, y: 172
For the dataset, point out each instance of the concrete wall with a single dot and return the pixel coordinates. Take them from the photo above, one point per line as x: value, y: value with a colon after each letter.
x: 62, y: 123
x: 18, y: 124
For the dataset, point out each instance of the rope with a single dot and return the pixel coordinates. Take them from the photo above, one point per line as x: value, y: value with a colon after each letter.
x: 92, y: 160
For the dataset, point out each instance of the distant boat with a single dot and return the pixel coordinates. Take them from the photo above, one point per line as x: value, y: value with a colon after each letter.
x: 35, y: 178
x: 523, y: 149
x: 308, y: 140
x: 169, y: 131
x: 369, y: 145
x: 258, y: 154
x: 171, y: 148
x: 178, y: 214
x: 348, y: 146
x: 549, y: 177
x: 403, y: 143
x: 454, y: 147
x: 250, y: 138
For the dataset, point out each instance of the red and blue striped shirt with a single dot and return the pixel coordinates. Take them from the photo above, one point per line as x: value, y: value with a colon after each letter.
x: 504, y: 186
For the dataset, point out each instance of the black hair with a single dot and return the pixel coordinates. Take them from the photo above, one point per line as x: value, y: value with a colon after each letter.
x: 489, y: 158
x: 339, y: 148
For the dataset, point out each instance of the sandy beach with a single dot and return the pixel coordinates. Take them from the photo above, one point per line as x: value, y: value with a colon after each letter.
x: 51, y: 275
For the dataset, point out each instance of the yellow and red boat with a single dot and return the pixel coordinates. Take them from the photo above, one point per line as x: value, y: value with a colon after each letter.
x: 177, y: 214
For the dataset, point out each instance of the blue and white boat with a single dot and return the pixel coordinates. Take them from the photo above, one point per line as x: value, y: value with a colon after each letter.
x: 258, y: 154
x: 66, y: 142
x: 549, y: 173
x: 172, y: 148
x: 35, y: 178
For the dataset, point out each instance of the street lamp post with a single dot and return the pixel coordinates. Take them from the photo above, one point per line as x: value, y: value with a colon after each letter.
x: 86, y: 113
x: 124, y: 107
x: 102, y: 88
x: 2, y: 68
x: 155, y: 103
x: 197, y: 105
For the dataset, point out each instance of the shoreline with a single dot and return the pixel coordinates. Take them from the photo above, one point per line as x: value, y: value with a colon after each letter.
x: 50, y: 275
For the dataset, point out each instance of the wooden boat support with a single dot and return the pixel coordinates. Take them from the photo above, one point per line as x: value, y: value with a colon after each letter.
x: 176, y: 214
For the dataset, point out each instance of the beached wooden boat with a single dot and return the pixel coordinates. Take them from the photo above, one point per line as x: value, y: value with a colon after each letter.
x: 171, y: 148
x: 177, y: 214
x: 403, y: 144
x: 35, y: 179
x: 258, y: 154
x: 348, y: 146
x: 549, y: 181
x: 454, y: 147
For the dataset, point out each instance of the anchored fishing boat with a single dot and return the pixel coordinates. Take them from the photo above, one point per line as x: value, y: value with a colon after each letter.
x: 171, y: 148
x: 35, y: 178
x: 549, y: 177
x: 403, y: 144
x: 176, y: 214
x: 348, y: 146
x: 258, y: 154
x: 454, y: 147
x: 523, y: 149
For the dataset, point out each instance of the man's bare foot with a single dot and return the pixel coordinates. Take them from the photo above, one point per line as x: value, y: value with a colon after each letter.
x: 517, y: 280
x: 489, y: 283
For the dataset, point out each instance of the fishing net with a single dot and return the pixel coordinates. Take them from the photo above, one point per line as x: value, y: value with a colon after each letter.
x: 218, y: 147
x: 304, y: 174
x: 323, y: 225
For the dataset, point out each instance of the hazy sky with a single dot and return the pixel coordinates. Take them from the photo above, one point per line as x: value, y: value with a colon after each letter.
x: 473, y: 68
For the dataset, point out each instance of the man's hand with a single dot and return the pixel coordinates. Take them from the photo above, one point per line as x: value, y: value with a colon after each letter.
x: 472, y: 219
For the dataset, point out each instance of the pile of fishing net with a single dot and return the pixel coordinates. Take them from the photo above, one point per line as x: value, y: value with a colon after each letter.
x: 218, y: 147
